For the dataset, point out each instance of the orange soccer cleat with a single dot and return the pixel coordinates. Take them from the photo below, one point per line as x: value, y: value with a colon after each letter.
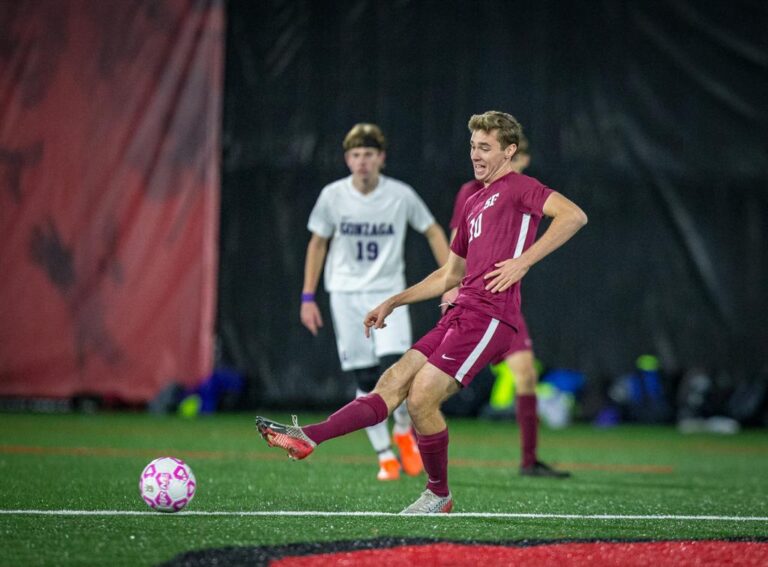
x: 389, y: 470
x: 288, y: 437
x: 409, y: 453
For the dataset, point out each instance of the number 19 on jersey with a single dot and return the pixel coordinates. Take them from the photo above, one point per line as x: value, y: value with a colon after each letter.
x: 367, y: 250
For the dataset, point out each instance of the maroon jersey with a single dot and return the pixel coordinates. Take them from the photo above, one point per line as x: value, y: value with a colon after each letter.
x: 466, y: 191
x: 498, y: 222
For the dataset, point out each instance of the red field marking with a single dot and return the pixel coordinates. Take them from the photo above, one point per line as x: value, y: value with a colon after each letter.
x: 678, y: 553
x: 278, y: 456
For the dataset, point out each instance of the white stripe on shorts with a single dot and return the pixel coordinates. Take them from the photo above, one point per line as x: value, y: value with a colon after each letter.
x: 523, y: 233
x: 478, y: 350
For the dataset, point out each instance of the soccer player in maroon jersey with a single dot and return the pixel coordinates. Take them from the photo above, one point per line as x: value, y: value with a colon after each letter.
x: 519, y: 357
x: 489, y: 258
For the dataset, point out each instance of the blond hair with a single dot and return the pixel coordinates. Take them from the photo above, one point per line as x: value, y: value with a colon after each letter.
x: 365, y: 135
x: 509, y: 130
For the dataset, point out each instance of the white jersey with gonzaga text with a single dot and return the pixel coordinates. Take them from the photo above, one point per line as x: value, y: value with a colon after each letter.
x: 368, y: 233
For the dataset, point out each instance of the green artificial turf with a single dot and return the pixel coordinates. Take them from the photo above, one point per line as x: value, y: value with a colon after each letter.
x: 92, y: 462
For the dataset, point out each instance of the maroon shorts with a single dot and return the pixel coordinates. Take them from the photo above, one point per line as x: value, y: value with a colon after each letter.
x: 464, y: 341
x: 522, y: 340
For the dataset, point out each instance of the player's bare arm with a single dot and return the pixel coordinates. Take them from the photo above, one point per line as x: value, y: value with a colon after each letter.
x: 435, y: 236
x: 313, y: 266
x: 444, y: 278
x: 567, y: 219
x: 449, y: 296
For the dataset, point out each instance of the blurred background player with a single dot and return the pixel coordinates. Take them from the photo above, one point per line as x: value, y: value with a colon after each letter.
x: 519, y: 358
x: 365, y: 217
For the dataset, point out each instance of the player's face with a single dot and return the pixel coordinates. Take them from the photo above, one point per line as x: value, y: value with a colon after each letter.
x: 489, y: 160
x: 364, y: 163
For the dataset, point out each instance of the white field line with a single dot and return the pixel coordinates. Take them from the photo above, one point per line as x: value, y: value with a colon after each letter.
x: 377, y: 514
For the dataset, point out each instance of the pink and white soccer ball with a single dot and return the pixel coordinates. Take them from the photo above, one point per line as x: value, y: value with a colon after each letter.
x: 167, y: 484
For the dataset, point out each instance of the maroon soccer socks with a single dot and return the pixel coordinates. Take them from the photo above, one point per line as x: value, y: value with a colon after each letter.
x: 357, y: 414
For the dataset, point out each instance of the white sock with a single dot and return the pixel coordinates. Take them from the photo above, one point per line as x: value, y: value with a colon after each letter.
x: 402, y: 419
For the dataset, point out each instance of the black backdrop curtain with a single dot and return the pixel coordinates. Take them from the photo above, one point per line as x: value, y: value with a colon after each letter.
x: 651, y: 115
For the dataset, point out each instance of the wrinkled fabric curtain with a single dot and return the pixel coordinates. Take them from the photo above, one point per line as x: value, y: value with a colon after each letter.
x: 109, y: 195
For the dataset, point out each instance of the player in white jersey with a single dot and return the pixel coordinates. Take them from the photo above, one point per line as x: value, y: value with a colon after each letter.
x: 365, y: 217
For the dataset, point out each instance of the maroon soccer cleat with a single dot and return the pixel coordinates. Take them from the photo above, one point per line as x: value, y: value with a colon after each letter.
x: 288, y: 437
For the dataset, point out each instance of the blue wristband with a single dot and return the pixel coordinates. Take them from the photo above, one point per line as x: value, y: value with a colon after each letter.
x: 307, y: 297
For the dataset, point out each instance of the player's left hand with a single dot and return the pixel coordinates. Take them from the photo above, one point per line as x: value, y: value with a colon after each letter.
x: 506, y: 273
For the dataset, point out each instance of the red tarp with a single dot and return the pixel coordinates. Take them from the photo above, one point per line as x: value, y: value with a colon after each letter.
x: 109, y: 195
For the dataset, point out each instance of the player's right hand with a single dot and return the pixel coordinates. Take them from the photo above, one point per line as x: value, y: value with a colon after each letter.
x: 448, y: 299
x: 310, y: 317
x: 375, y: 318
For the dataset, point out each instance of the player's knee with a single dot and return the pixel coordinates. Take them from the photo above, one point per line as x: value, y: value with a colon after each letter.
x: 422, y: 402
x: 526, y: 377
x: 397, y: 380
x: 393, y: 386
x: 417, y: 407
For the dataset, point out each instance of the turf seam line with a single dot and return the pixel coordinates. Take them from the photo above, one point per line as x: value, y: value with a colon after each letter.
x: 376, y: 514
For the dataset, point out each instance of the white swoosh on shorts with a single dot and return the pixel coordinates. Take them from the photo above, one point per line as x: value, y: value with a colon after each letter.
x: 447, y: 357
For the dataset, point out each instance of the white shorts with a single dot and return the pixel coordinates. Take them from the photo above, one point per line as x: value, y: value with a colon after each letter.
x: 355, y: 351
